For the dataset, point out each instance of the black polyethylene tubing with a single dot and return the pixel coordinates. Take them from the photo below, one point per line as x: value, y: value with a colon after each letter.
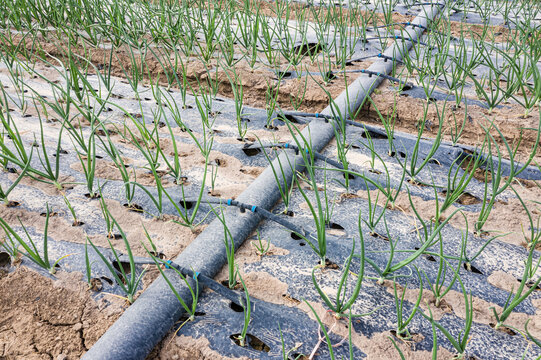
x: 144, y: 324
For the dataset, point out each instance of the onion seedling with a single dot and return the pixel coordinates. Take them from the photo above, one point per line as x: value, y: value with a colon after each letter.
x: 88, y: 266
x: 415, y: 164
x: 30, y: 250
x: 52, y: 172
x: 535, y: 229
x: 459, y: 342
x: 229, y: 243
x: 247, y: 310
x: 127, y: 279
x: 388, y: 123
x: 515, y: 298
x: 456, y: 186
x: 238, y: 93
x: 341, y: 304
x: 115, y: 155
x: 496, y: 175
x: 429, y: 239
x: 88, y: 163
x: 402, y: 331
x: 192, y: 284
x: 5, y: 193
x: 318, y: 212
x: 373, y: 219
x: 439, y: 290
x: 285, y: 186
x: 175, y: 170
x: 457, y: 130
x: 72, y: 211
x: 262, y: 246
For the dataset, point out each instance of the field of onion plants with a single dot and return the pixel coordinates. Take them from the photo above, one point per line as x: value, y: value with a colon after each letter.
x: 264, y: 179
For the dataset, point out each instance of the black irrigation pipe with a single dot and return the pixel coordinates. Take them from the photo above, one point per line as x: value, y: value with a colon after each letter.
x: 144, y: 324
x: 291, y: 146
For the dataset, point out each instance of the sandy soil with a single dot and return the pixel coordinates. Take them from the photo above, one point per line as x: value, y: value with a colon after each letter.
x: 51, y: 319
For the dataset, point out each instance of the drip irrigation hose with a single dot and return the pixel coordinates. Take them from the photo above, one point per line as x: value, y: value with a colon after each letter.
x: 144, y: 324
x: 412, y: 25
x: 203, y: 280
x: 398, y: 37
x: 259, y: 211
x: 369, y: 128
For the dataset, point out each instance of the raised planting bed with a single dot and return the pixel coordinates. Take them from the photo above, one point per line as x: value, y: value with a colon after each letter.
x: 270, y: 180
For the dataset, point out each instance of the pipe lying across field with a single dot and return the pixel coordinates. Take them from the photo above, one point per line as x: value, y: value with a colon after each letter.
x: 144, y: 324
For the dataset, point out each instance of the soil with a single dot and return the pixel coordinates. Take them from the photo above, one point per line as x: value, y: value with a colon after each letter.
x: 309, y: 91
x: 407, y: 111
x: 51, y: 319
x: 186, y: 348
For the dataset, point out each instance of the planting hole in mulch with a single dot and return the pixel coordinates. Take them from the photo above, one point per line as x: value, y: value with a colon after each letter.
x: 250, y: 151
x: 287, y: 118
x: 133, y: 207
x: 336, y: 229
x: 434, y: 162
x: 428, y: 257
x: 271, y: 127
x: 376, y: 235
x: 373, y: 135
x: 77, y: 223
x: 122, y: 265
x: 107, y: 280
x: 225, y: 283
x: 158, y: 255
x: 415, y: 337
x: 236, y: 307
x: 96, y: 284
x: 184, y: 317
x: 465, y: 199
x: 51, y: 214
x: 297, y: 356
x: 186, y: 204
x: 5, y: 259
x: 12, y: 203
x: 290, y: 298
x: 330, y: 265
x: 471, y: 268
x: 295, y: 236
x: 90, y: 196
x: 400, y: 153
x: 252, y: 341
x: 308, y: 48
x: 504, y: 329
x: 529, y: 284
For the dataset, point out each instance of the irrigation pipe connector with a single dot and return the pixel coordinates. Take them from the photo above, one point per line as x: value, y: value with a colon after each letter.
x: 148, y: 320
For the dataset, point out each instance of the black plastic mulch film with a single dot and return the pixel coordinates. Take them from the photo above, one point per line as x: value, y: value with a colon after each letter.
x: 219, y: 316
